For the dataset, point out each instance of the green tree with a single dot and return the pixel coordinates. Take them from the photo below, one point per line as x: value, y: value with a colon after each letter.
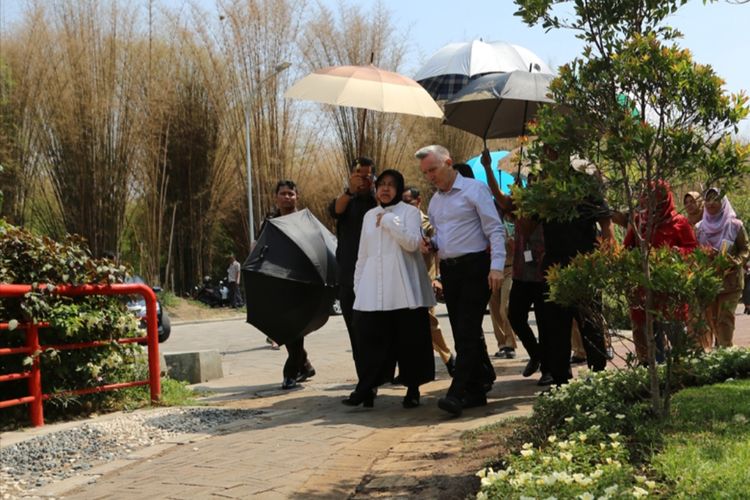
x: 638, y: 107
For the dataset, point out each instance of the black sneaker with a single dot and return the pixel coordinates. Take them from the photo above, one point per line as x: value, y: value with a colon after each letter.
x: 450, y: 365
x: 289, y: 383
x: 305, y: 374
x: 531, y: 367
x: 546, y: 380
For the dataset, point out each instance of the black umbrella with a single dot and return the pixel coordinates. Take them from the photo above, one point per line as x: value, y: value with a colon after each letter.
x: 497, y: 106
x: 290, y: 277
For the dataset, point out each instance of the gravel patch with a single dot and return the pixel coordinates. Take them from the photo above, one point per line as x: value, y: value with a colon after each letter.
x: 43, y: 459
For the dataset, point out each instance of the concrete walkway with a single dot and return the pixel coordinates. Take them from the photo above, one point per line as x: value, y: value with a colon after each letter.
x: 304, y: 444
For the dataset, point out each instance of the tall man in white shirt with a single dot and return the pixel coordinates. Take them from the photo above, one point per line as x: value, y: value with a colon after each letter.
x: 467, y: 226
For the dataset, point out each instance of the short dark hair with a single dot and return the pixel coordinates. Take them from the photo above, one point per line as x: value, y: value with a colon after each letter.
x: 361, y: 161
x: 286, y: 183
x: 414, y: 191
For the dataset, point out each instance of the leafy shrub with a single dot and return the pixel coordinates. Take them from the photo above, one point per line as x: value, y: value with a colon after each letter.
x: 588, y: 414
x: 31, y: 259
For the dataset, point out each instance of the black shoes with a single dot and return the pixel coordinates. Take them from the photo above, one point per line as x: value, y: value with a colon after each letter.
x: 451, y: 405
x: 473, y: 401
x: 531, y: 367
x: 450, y: 365
x: 506, y: 353
x: 367, y: 400
x: 411, y: 400
x: 306, y: 373
x: 289, y: 383
x: 546, y: 380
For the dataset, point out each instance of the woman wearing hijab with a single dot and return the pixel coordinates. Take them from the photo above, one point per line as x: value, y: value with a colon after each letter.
x: 722, y: 232
x: 670, y: 229
x: 693, y: 203
x: 393, y: 293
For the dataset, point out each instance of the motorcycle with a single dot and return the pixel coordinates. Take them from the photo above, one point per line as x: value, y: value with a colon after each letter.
x: 213, y: 295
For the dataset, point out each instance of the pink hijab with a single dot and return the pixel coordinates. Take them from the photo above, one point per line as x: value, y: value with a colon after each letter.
x: 725, y: 225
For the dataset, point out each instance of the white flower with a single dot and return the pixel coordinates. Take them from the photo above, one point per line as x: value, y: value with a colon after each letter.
x: 482, y: 473
x: 613, y: 436
x: 549, y: 480
x: 569, y: 419
x: 482, y: 496
x: 740, y: 418
x: 568, y: 457
x: 552, y: 438
x: 651, y: 484
x: 12, y: 324
x: 582, y: 437
x: 620, y: 416
x: 486, y: 481
x: 640, y: 479
x: 564, y: 445
x: 611, y: 490
x: 615, y: 444
x: 522, y: 497
x: 639, y: 492
x: 597, y: 473
x: 586, y: 496
x: 527, y: 453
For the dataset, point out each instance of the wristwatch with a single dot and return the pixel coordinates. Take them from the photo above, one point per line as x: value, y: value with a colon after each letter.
x: 348, y: 193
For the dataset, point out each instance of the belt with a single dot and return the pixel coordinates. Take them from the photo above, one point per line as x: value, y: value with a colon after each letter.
x: 462, y: 259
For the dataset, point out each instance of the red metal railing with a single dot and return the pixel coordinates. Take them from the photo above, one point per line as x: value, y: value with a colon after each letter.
x: 32, y: 347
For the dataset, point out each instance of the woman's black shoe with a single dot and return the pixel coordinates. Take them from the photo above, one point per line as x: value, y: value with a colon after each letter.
x: 359, y: 398
x: 411, y: 400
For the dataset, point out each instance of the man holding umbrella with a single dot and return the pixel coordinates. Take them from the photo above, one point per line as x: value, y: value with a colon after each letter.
x: 349, y: 208
x: 466, y: 224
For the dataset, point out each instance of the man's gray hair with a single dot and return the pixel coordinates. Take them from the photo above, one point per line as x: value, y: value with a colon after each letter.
x: 440, y: 152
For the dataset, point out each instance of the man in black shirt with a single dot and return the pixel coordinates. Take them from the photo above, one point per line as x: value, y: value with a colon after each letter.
x: 563, y: 240
x: 349, y: 209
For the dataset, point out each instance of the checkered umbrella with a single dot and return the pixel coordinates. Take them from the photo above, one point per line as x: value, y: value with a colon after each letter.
x: 452, y: 67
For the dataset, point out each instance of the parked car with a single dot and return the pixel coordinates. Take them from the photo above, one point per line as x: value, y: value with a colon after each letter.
x: 137, y: 306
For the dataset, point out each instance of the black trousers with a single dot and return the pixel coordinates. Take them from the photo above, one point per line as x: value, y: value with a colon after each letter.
x: 235, y: 298
x: 346, y: 300
x: 296, y: 358
x: 523, y: 295
x: 554, y: 331
x: 466, y: 294
x: 387, y: 338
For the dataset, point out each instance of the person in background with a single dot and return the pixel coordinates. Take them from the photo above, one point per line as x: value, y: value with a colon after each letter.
x: 672, y: 230
x: 466, y: 224
x: 348, y: 209
x: 392, y: 296
x: 412, y: 196
x: 498, y: 305
x: 693, y: 203
x: 297, y: 367
x: 721, y: 231
x: 233, y: 276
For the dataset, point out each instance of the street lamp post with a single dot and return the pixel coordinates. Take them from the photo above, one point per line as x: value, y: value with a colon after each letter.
x: 251, y: 222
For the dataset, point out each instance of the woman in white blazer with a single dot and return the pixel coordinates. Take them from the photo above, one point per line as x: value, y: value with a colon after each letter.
x: 392, y: 295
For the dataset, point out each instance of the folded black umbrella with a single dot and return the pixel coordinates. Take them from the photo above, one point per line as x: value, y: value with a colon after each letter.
x: 290, y: 277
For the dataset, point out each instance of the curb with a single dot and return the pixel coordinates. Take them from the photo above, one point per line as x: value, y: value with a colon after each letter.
x: 200, y: 321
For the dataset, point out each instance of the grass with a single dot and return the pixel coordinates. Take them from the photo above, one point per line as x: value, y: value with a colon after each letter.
x: 173, y: 393
x: 706, y: 451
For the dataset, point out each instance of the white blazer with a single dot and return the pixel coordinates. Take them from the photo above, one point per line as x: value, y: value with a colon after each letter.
x: 390, y: 272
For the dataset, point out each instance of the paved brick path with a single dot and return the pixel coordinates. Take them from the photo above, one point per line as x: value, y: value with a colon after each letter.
x: 305, y: 444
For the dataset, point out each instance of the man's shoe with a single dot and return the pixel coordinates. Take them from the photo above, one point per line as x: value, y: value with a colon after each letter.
x: 450, y: 365
x: 305, y: 374
x: 451, y: 405
x: 531, y: 367
x: 411, y: 400
x: 506, y: 353
x: 289, y: 383
x: 474, y: 400
x: 546, y: 380
x: 577, y: 360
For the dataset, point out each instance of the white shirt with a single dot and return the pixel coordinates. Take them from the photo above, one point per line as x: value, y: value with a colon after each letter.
x: 466, y: 221
x: 233, y: 272
x: 390, y: 272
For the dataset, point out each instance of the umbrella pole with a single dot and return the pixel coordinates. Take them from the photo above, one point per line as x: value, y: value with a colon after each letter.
x: 361, y: 144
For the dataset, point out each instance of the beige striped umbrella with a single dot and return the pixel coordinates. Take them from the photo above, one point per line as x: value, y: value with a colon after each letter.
x: 367, y: 87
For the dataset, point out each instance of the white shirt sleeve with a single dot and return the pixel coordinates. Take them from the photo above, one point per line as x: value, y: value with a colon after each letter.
x: 491, y: 226
x: 406, y: 232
